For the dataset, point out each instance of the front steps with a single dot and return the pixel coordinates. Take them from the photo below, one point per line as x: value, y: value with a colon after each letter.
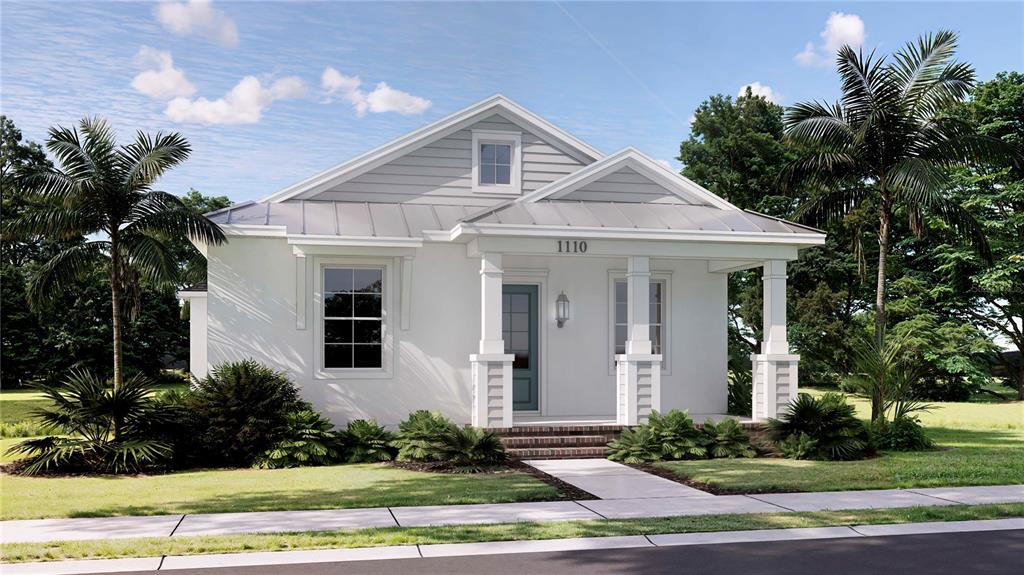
x: 557, y: 441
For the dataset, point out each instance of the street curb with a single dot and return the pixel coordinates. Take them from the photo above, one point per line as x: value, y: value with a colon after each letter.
x: 185, y: 562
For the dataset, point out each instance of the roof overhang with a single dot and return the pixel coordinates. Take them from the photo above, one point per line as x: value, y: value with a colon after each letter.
x: 468, y: 230
x: 446, y: 126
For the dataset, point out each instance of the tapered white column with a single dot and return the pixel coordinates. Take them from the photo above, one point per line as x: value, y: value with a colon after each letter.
x: 638, y: 371
x: 491, y: 369
x: 775, y: 307
x: 490, y: 304
x: 775, y: 369
x: 638, y: 293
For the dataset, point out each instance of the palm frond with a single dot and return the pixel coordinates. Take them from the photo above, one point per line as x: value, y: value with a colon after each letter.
x: 833, y: 205
x: 156, y: 214
x: 918, y: 65
x: 149, y: 255
x: 52, y: 222
x: 59, y: 272
x: 964, y: 224
x: 816, y: 124
x: 149, y: 157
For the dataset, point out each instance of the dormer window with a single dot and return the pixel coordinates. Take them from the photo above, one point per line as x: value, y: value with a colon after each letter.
x: 497, y: 162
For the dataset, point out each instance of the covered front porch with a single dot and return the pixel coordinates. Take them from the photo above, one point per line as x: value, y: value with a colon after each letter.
x: 605, y: 336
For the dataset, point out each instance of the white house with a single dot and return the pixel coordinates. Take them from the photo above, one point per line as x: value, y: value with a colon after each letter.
x: 500, y: 270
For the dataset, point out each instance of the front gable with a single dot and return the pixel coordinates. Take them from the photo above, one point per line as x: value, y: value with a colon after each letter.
x: 436, y: 164
x: 628, y: 176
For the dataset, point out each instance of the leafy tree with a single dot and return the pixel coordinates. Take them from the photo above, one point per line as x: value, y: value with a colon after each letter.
x: 990, y: 295
x: 887, y: 146
x: 104, y: 192
x: 192, y: 263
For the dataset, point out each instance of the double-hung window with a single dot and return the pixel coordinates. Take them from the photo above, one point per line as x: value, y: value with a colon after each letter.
x: 353, y: 317
x: 657, y: 315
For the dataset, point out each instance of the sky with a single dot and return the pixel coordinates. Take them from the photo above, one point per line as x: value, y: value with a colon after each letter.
x: 270, y: 93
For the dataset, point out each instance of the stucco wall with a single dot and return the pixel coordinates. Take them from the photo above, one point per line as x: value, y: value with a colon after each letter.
x: 251, y: 314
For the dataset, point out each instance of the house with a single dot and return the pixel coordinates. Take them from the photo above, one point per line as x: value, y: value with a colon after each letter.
x: 495, y: 268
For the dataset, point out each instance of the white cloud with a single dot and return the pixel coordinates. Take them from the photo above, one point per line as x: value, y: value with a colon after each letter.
x: 382, y: 99
x: 197, y: 17
x: 759, y: 89
x: 840, y: 30
x: 160, y: 79
x: 244, y: 104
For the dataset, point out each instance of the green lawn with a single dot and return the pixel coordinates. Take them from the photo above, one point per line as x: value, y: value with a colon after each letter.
x: 978, y: 444
x: 213, y: 491
x: 156, y: 546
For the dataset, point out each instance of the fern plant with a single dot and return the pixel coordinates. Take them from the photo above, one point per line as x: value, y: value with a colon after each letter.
x: 470, y: 449
x: 367, y: 441
x: 679, y: 437
x: 829, y: 421
x: 420, y: 436
x: 727, y: 439
x: 636, y: 445
x: 798, y: 446
x: 309, y: 440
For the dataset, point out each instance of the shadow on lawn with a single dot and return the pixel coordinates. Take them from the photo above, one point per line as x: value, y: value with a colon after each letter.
x: 982, y: 438
x: 427, y: 489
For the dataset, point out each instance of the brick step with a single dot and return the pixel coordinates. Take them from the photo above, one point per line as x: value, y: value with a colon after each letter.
x: 529, y: 442
x: 558, y: 453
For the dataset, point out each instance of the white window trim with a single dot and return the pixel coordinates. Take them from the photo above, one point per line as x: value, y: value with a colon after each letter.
x: 666, y: 319
x: 389, y: 323
x: 515, y: 139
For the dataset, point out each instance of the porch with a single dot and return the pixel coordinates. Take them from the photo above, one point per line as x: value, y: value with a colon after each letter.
x: 653, y: 327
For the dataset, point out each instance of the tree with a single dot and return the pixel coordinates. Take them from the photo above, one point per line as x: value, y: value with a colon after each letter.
x: 991, y: 295
x: 888, y: 146
x: 104, y: 192
x: 191, y: 263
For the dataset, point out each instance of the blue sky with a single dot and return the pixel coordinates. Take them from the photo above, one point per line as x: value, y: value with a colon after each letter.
x: 248, y: 83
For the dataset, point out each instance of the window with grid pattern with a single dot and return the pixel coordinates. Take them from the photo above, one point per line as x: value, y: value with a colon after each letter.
x: 495, y: 164
x: 353, y: 317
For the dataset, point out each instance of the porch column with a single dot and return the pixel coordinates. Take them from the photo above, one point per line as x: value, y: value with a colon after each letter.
x: 491, y: 367
x: 638, y: 371
x: 775, y: 369
x: 197, y: 355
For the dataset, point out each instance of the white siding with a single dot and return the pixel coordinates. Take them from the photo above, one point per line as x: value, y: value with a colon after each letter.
x: 624, y: 185
x: 440, y: 172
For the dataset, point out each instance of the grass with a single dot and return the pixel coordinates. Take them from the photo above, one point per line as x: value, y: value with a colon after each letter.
x: 228, y: 490
x: 156, y: 546
x: 978, y: 444
x: 16, y: 407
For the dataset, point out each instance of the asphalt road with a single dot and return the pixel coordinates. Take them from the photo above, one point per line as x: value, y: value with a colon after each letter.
x: 997, y: 552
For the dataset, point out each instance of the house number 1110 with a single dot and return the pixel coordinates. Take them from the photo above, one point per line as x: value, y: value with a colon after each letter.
x: 572, y: 246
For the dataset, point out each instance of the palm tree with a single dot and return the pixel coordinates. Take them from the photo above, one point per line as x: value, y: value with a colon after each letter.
x: 888, y: 145
x: 104, y: 192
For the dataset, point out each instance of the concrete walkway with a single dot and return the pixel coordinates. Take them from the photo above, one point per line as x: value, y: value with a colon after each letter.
x: 609, y: 480
x: 39, y: 530
x: 500, y: 547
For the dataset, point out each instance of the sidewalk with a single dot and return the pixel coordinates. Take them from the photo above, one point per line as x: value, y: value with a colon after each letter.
x: 628, y: 493
x: 499, y: 547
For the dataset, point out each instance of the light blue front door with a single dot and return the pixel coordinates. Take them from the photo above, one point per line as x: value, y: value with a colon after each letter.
x: 519, y: 330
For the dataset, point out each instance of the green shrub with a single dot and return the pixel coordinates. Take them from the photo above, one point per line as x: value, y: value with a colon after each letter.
x: 367, y: 441
x: 799, y: 446
x: 901, y: 434
x: 679, y: 437
x: 636, y: 445
x: 828, y: 421
x: 470, y: 449
x: 309, y: 440
x: 25, y: 428
x: 419, y: 437
x: 741, y: 392
x: 240, y: 411
x: 727, y: 439
x: 103, y: 430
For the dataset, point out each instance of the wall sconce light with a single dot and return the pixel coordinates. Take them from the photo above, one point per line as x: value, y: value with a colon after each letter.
x: 562, y: 309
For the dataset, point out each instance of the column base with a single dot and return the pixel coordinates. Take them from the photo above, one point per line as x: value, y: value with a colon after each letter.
x: 638, y: 387
x: 492, y: 389
x: 775, y: 383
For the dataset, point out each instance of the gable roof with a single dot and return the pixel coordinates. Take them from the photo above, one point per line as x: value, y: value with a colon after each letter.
x: 496, y: 104
x: 632, y: 158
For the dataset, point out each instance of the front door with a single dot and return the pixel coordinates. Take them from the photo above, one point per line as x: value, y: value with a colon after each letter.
x: 519, y: 330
